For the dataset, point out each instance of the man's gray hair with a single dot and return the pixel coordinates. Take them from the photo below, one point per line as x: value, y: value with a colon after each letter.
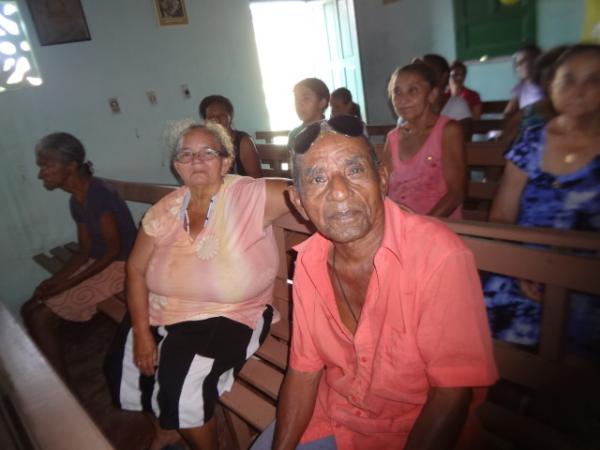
x: 296, y: 160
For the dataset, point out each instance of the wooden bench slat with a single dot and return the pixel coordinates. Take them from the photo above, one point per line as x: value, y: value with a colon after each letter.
x: 52, y: 265
x: 262, y: 376
x: 281, y: 330
x: 482, y: 190
x: 72, y: 246
x: 537, y: 265
x: 250, y: 406
x: 62, y: 254
x: 274, y: 351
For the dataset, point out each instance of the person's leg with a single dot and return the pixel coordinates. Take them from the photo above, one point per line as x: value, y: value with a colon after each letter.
x: 201, y: 438
x: 265, y: 441
x: 162, y: 437
x: 43, y: 326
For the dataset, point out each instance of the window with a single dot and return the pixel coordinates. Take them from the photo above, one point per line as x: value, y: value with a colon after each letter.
x: 16, y: 57
x: 486, y: 28
x: 301, y: 39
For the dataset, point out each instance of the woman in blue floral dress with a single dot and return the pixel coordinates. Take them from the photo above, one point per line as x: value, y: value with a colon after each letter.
x: 552, y: 179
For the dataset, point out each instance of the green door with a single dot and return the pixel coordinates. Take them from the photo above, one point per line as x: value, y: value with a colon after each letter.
x: 493, y: 27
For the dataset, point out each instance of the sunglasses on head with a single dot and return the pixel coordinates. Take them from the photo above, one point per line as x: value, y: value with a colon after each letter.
x: 346, y: 125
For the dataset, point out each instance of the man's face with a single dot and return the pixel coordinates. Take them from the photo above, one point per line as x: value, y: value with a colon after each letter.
x: 339, y: 189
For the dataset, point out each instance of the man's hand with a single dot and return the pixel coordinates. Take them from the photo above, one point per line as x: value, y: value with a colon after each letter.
x: 441, y: 419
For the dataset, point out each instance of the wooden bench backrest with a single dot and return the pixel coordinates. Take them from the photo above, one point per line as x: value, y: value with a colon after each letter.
x: 499, y: 249
x: 493, y: 107
x: 37, y: 410
x: 484, y: 159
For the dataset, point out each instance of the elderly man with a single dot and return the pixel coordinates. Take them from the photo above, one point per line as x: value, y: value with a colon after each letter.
x: 389, y: 327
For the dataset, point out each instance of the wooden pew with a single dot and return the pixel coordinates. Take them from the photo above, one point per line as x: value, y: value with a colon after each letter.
x: 549, y: 380
x: 37, y: 411
x: 269, y: 136
x: 495, y: 107
x: 485, y: 162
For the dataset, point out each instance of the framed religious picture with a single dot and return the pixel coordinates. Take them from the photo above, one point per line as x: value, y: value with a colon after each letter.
x: 170, y: 12
x: 59, y: 22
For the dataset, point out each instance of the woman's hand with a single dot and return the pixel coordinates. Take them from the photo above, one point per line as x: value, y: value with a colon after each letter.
x: 50, y: 287
x: 144, y: 352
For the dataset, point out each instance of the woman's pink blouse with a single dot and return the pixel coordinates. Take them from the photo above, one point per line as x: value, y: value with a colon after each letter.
x: 419, y: 182
x: 228, y: 270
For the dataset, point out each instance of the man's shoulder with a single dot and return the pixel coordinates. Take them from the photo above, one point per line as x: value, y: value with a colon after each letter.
x: 409, y: 231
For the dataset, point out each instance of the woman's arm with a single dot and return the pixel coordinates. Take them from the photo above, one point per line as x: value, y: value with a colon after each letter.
x: 249, y: 157
x: 454, y: 166
x: 277, y: 202
x: 505, y: 207
x: 476, y: 111
x: 62, y: 280
x: 144, y: 347
x: 511, y: 107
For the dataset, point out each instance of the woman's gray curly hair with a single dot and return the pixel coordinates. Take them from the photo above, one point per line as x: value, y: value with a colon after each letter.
x: 180, y: 129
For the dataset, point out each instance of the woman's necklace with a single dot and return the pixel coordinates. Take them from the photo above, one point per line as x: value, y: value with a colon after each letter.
x: 342, y: 289
x: 407, y: 129
x: 208, y: 213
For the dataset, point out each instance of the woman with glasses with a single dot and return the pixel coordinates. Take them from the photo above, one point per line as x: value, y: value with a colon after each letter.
x: 200, y: 286
x: 425, y: 153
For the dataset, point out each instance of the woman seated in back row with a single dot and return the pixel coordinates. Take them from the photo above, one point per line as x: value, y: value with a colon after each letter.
x: 425, y: 154
x: 552, y: 180
x: 219, y: 109
x: 105, y: 232
x: 200, y: 288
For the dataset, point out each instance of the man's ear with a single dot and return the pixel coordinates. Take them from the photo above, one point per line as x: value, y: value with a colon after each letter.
x: 296, y: 201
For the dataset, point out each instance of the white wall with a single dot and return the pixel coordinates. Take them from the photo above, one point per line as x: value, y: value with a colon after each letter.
x: 128, y: 55
x: 390, y: 35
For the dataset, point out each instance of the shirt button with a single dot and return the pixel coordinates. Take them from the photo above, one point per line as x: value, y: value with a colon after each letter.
x: 358, y: 413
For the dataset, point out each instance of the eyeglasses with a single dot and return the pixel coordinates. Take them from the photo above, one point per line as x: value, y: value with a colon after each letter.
x: 187, y: 156
x: 350, y: 126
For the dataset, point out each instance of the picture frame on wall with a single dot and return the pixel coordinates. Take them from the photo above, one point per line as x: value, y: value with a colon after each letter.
x: 59, y: 22
x: 170, y: 12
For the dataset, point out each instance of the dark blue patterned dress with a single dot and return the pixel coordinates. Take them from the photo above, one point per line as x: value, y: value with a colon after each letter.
x: 569, y: 202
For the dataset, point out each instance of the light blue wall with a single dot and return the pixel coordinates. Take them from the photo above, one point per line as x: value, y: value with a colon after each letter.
x: 128, y: 55
x: 392, y: 34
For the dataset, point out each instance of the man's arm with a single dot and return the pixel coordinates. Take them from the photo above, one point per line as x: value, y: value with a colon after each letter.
x: 441, y: 419
x: 297, y: 399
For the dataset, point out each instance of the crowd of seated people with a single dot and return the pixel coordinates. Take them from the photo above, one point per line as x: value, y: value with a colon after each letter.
x: 202, y: 269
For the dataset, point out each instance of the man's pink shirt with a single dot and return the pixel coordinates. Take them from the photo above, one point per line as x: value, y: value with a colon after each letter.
x: 423, y: 324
